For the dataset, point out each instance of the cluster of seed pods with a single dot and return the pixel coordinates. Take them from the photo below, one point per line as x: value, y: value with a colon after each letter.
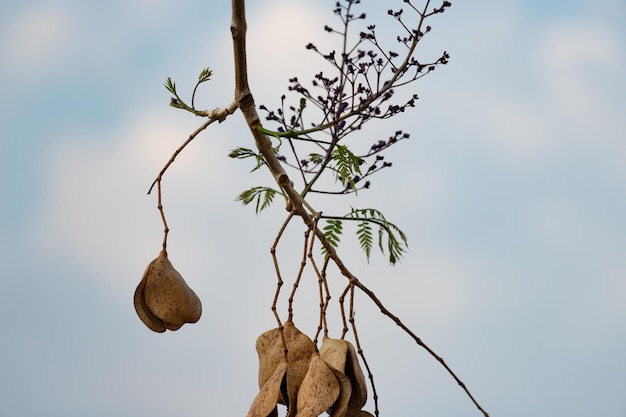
x: 293, y: 372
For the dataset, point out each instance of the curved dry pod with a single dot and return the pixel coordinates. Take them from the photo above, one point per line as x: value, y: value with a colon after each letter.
x: 340, y: 407
x: 341, y: 355
x: 299, y: 350
x: 355, y: 374
x: 271, y: 352
x: 319, y: 389
x: 335, y: 352
x: 153, y: 322
x: 264, y: 404
x: 163, y: 300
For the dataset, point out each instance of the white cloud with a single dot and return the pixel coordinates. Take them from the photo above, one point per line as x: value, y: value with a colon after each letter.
x: 96, y: 202
x: 42, y: 37
x: 577, y: 60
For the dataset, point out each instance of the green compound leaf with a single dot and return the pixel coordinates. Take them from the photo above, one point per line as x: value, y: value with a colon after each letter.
x: 179, y: 103
x: 366, y: 239
x: 205, y: 75
x: 346, y: 165
x: 243, y: 153
x: 261, y: 196
x: 390, y: 238
x: 170, y: 86
x: 316, y: 158
x: 333, y: 231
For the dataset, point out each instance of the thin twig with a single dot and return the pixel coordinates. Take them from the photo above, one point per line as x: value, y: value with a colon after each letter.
x: 213, y: 115
x: 296, y: 283
x: 279, y: 284
x: 370, y: 375
x: 342, y: 309
x: 166, y: 229
x: 323, y: 284
x: 179, y: 150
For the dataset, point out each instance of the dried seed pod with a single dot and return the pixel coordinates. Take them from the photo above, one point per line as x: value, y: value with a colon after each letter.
x: 340, y: 407
x: 319, y: 389
x: 340, y: 354
x: 335, y: 353
x: 271, y: 351
x: 269, y: 347
x: 264, y: 404
x: 355, y: 374
x: 153, y: 322
x: 290, y: 392
x: 163, y: 300
x: 299, y: 350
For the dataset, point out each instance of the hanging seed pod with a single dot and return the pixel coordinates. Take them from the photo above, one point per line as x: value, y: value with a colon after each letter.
x: 299, y: 350
x: 271, y: 351
x: 153, y: 322
x: 264, y: 404
x: 355, y: 374
x: 334, y: 352
x: 163, y: 300
x: 340, y: 407
x: 290, y: 392
x: 269, y: 347
x: 340, y: 354
x: 319, y: 389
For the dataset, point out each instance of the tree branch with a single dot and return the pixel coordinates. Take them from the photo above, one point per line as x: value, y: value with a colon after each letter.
x: 296, y: 202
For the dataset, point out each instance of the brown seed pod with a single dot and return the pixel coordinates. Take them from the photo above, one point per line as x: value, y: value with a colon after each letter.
x: 264, y: 404
x: 269, y: 347
x: 335, y: 353
x: 299, y: 350
x: 340, y: 407
x: 271, y: 352
x: 153, y: 322
x: 319, y: 389
x: 340, y: 354
x: 355, y: 374
x: 163, y: 300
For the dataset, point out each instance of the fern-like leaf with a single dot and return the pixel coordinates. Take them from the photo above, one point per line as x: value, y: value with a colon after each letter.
x: 346, y: 165
x: 364, y: 233
x: 262, y: 196
x: 333, y: 231
x: 205, y: 75
x: 395, y: 243
x: 243, y: 153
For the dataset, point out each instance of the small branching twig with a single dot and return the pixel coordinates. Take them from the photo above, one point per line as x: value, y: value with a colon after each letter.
x: 279, y: 284
x: 214, y: 115
x: 323, y: 288
x: 177, y: 151
x: 296, y: 283
x: 370, y: 375
x: 166, y: 229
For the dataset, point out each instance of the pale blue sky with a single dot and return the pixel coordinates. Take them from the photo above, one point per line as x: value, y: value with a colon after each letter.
x: 511, y: 190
